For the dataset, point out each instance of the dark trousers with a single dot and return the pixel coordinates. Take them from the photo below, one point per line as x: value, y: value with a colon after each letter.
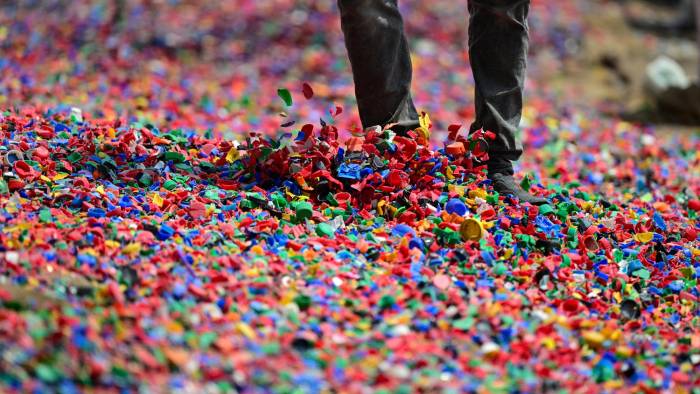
x: 381, y: 65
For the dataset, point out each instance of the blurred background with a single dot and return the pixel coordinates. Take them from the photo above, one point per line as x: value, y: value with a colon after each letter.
x: 217, y: 65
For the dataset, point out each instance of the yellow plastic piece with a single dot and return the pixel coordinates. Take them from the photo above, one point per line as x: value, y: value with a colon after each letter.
x: 471, y: 229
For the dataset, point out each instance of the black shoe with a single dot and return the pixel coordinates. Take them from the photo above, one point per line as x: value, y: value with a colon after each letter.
x: 505, y: 184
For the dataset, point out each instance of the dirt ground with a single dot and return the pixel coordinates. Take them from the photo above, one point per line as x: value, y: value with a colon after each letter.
x: 609, y: 70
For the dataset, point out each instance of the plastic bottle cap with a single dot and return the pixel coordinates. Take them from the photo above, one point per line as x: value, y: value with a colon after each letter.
x: 456, y: 206
x: 303, y: 210
x: 471, y: 229
x: 456, y: 149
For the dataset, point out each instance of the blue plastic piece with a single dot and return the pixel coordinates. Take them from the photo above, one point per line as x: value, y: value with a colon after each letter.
x: 456, y: 206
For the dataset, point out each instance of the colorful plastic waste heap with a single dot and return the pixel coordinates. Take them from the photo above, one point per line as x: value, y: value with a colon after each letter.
x: 163, y: 231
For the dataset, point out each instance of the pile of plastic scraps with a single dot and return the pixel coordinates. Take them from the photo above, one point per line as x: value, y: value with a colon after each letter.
x: 136, y: 257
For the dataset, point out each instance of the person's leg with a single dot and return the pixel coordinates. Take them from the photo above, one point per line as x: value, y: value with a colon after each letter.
x: 380, y: 60
x: 498, y: 44
x: 697, y: 31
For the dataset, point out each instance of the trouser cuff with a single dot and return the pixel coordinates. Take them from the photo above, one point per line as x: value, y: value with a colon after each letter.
x: 499, y: 165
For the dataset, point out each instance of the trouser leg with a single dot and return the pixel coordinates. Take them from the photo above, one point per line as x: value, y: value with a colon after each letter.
x: 697, y: 30
x: 380, y: 60
x: 498, y: 45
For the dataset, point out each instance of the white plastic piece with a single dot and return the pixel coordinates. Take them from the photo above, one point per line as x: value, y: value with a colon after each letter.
x: 664, y: 73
